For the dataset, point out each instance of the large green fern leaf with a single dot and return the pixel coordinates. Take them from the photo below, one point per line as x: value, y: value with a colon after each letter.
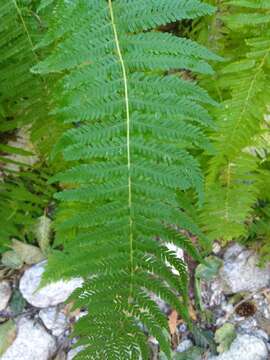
x: 128, y: 154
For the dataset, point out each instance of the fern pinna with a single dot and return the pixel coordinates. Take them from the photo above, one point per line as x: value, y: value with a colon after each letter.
x: 236, y: 172
x: 128, y: 154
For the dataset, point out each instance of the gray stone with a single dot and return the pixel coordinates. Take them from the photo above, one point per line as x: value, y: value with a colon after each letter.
x: 240, y: 271
x: 184, y: 345
x: 32, y: 343
x: 5, y: 294
x: 222, y: 313
x: 250, y: 326
x: 51, y: 294
x: 247, y: 326
x: 245, y: 347
x: 212, y: 293
x: 264, y: 324
x: 54, y: 320
x: 154, y: 347
x: 262, y: 305
x: 233, y: 251
x: 61, y: 356
x: 216, y: 248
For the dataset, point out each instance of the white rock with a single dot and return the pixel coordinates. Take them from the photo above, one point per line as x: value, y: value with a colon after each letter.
x: 212, y: 293
x: 179, y: 253
x: 23, y: 142
x: 241, y: 273
x: 247, y: 326
x: 50, y: 295
x: 81, y: 314
x: 261, y: 334
x: 233, y: 251
x: 226, y: 307
x: 73, y: 352
x: 216, y: 248
x: 5, y: 294
x: 176, y: 249
x: 163, y: 306
x: 184, y: 345
x: 153, y: 340
x: 262, y: 305
x: 32, y: 343
x: 245, y: 347
x: 217, y: 296
x: 54, y: 320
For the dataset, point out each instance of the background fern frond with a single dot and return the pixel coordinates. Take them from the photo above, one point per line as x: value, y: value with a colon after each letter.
x: 241, y: 83
x: 27, y: 130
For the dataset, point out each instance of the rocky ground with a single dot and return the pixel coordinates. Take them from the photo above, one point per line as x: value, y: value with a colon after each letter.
x: 35, y: 324
x: 232, y: 316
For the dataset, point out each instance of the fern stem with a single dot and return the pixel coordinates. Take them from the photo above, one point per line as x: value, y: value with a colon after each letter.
x: 228, y: 184
x: 25, y: 29
x: 125, y: 82
x: 37, y: 60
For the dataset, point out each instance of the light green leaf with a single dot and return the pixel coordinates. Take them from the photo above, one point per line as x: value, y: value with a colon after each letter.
x: 12, y: 260
x: 29, y: 254
x: 7, y: 335
x: 43, y: 4
x: 203, y: 338
x: 42, y: 231
x: 237, y: 66
x: 210, y: 269
x: 224, y: 336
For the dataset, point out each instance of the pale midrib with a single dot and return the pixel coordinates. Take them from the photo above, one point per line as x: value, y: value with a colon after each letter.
x: 125, y: 81
x: 228, y: 184
x: 25, y: 29
x: 37, y: 60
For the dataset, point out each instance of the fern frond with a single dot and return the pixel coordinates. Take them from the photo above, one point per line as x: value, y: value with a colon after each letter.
x: 128, y: 157
x: 25, y: 102
x: 232, y: 184
x: 25, y: 98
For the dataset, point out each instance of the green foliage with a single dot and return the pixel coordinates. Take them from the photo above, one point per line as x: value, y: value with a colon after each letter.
x: 204, y: 338
x: 195, y: 353
x: 258, y: 235
x: 25, y: 98
x: 129, y: 164
x: 27, y: 130
x: 23, y: 199
x: 242, y: 29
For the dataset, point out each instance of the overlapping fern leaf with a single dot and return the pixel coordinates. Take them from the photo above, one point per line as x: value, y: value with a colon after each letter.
x: 25, y: 99
x: 242, y: 86
x: 128, y: 156
x: 23, y: 199
x: 27, y: 130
